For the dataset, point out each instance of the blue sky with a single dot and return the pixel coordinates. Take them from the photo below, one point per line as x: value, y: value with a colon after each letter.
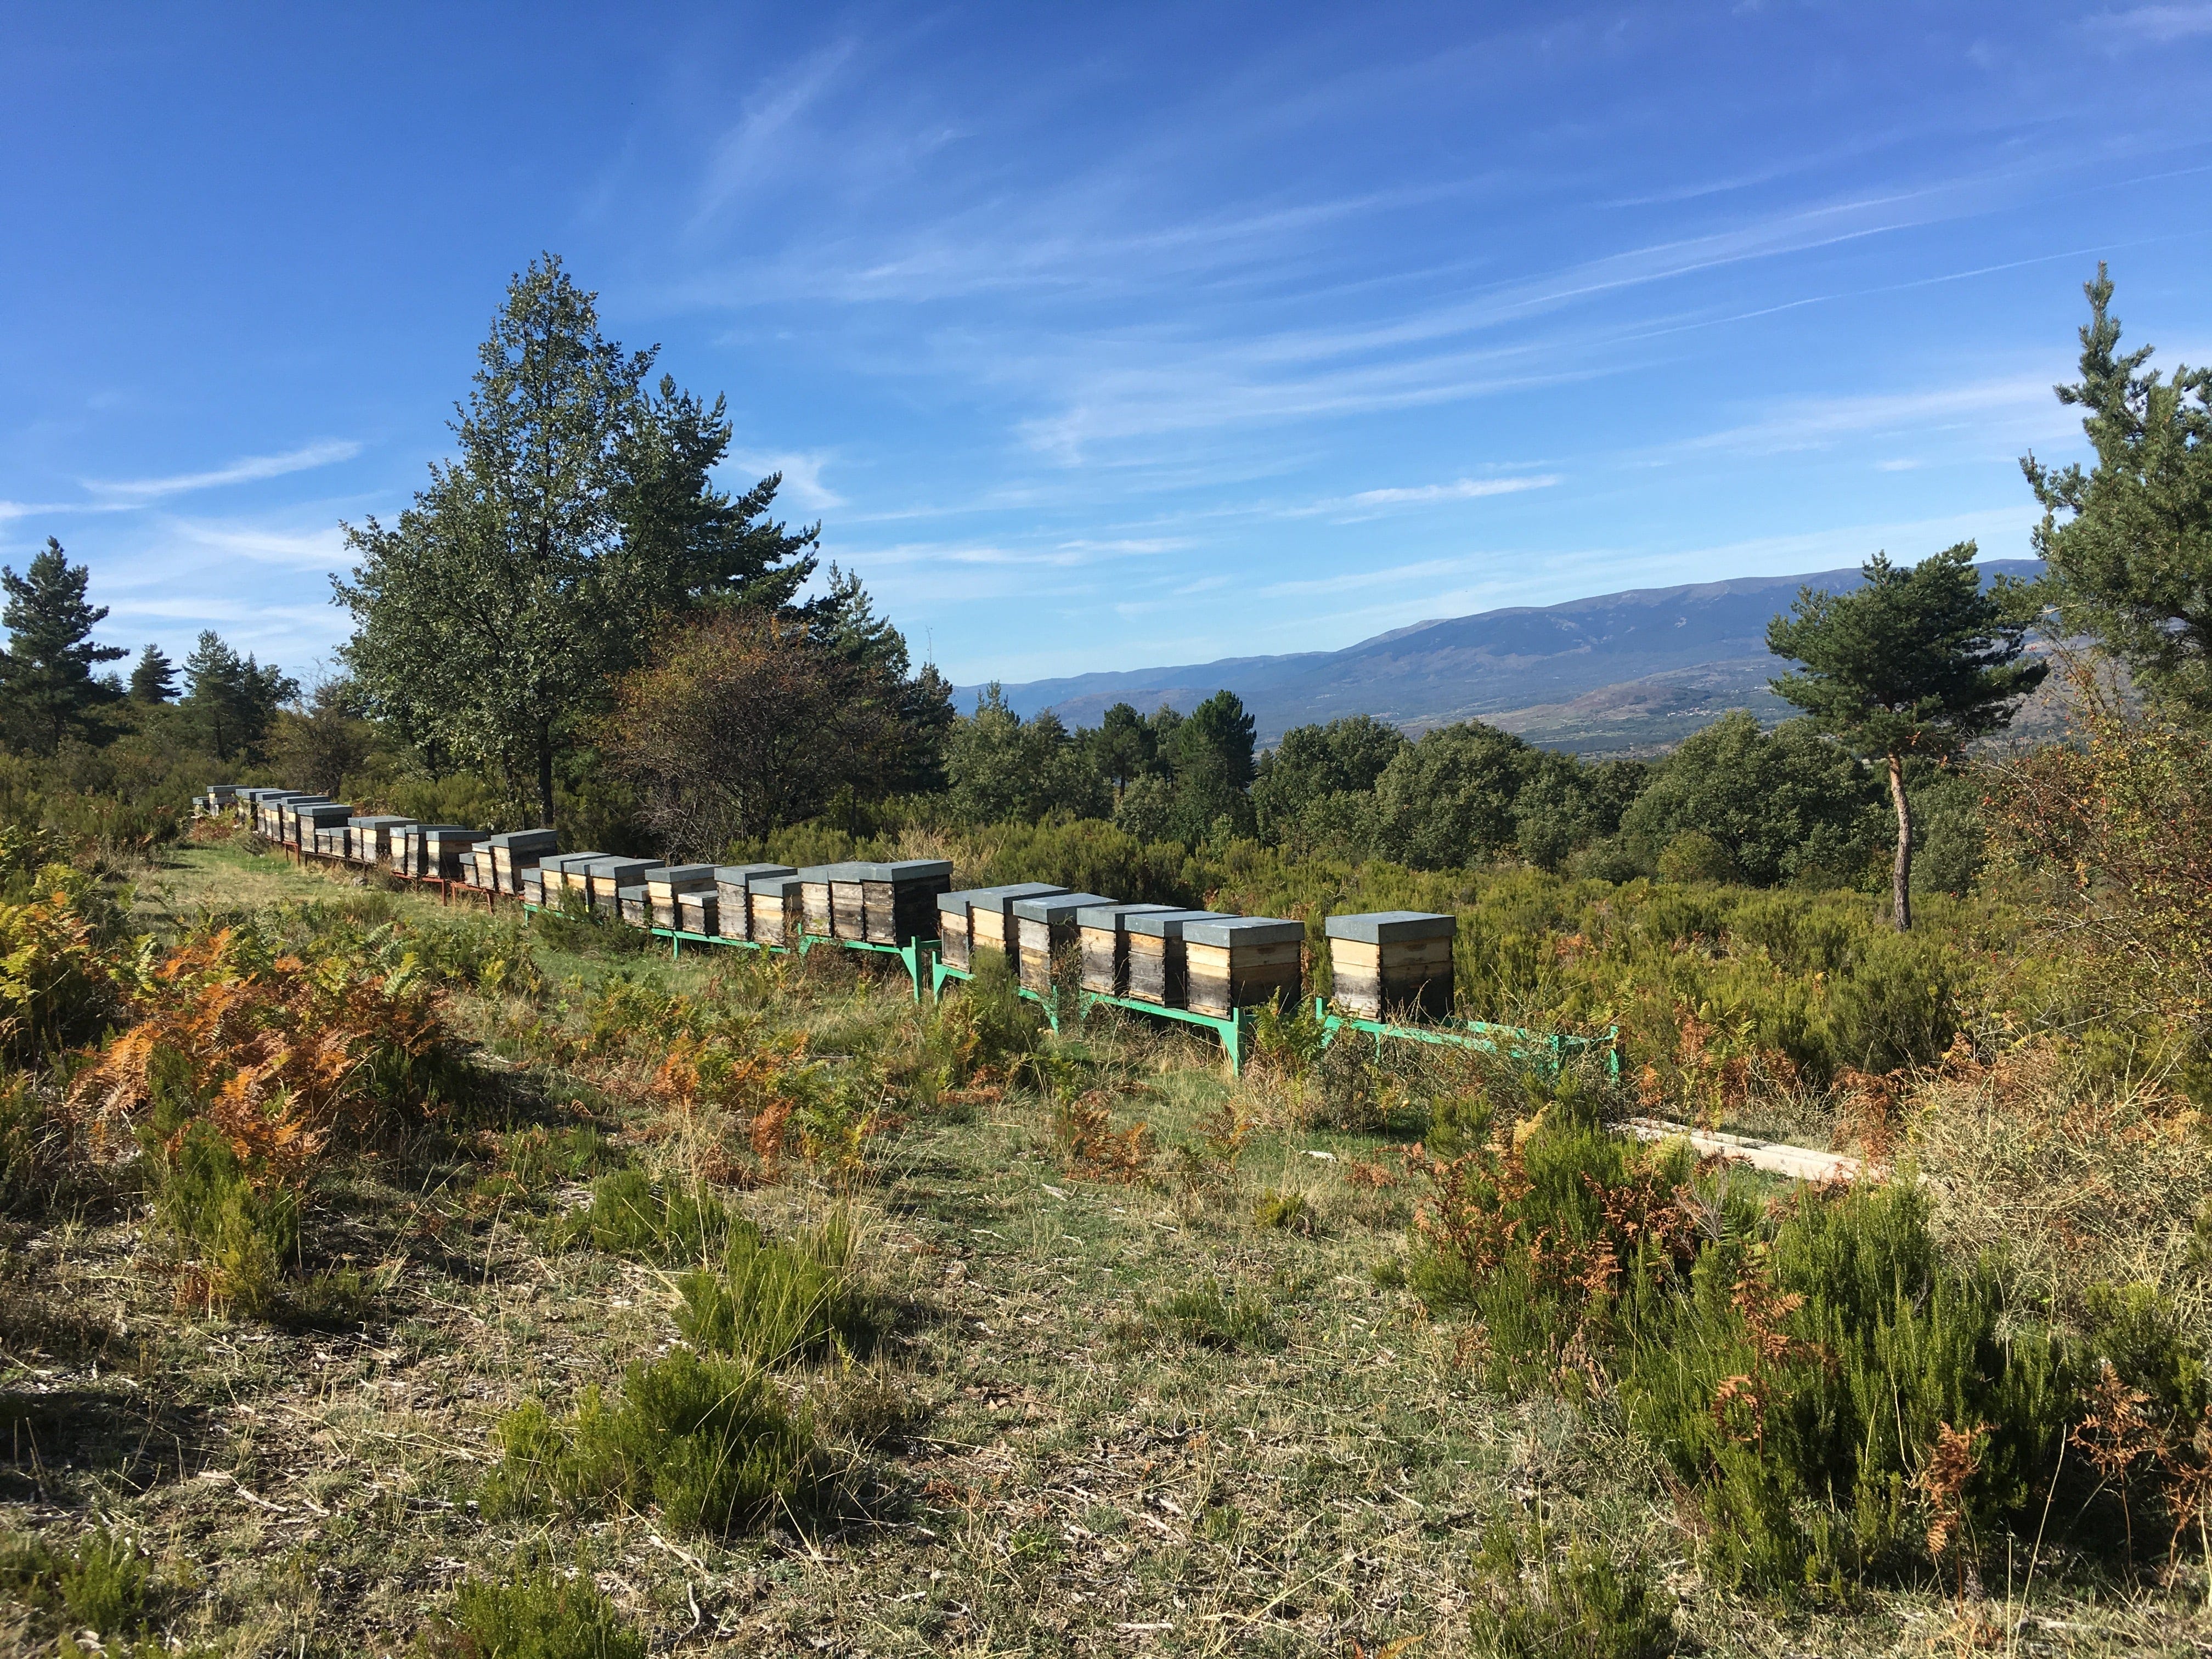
x: 1099, y: 337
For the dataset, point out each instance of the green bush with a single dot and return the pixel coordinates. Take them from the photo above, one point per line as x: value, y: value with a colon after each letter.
x: 244, y: 1235
x: 771, y: 1301
x: 102, y: 1584
x: 1207, y: 1315
x: 534, y: 1615
x: 30, y: 1144
x: 708, y: 1440
x: 630, y: 1215
x: 1586, y: 1606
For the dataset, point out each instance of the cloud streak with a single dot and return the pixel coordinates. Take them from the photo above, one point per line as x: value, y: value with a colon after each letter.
x: 250, y: 469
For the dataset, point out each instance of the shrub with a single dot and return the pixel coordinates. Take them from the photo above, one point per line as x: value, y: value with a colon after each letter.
x: 1206, y: 1315
x: 772, y: 1303
x: 30, y: 1144
x: 1585, y: 1606
x: 58, y: 986
x: 534, y: 1615
x: 629, y: 1215
x: 709, y: 1440
x: 992, y: 1029
x: 244, y: 1235
x: 102, y: 1585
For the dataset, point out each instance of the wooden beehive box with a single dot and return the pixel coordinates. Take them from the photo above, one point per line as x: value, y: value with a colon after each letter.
x: 778, y: 904
x: 1156, y: 954
x: 953, y: 929
x: 516, y: 851
x: 1102, y: 934
x: 466, y: 863
x: 734, y: 915
x: 663, y: 882
x: 816, y: 900
x: 317, y: 821
x: 609, y: 876
x: 269, y: 812
x: 533, y: 886
x: 442, y: 846
x: 990, y: 917
x: 368, y: 840
x: 848, y: 904
x: 898, y: 901
x: 1044, y: 929
x: 1392, y: 965
x: 568, y: 872
x: 634, y: 906
x: 699, y: 912
x: 1242, y: 962
x: 288, y: 819
x: 330, y: 840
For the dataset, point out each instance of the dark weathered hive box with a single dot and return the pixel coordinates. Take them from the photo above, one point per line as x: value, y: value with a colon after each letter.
x: 815, y: 898
x: 608, y: 877
x: 412, y: 845
x: 287, y: 816
x: 1156, y: 953
x: 516, y: 851
x: 898, y: 900
x: 1044, y: 928
x: 1241, y: 962
x: 635, y: 906
x: 953, y: 929
x: 1102, y: 934
x: 442, y: 848
x: 1389, y: 964
x: 779, y: 909
x: 471, y: 867
x: 698, y: 912
x: 731, y: 886
x: 664, y: 882
x: 990, y: 914
x: 330, y: 841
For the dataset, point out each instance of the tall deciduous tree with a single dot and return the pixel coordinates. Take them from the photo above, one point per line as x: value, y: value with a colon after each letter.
x: 742, y: 725
x: 578, y: 509
x: 2129, y: 541
x: 47, y: 687
x: 1919, y: 660
x: 232, y: 700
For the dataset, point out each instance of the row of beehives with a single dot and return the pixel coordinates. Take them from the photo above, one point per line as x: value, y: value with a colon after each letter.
x: 1201, y: 960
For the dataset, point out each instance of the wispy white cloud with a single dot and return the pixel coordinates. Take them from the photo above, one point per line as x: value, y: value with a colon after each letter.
x: 748, y: 150
x: 249, y: 469
x: 2013, y: 405
x: 2157, y: 25
x: 1460, y: 490
x: 802, y: 476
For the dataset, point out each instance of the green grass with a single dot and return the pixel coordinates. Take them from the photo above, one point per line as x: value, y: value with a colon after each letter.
x: 1013, y: 1411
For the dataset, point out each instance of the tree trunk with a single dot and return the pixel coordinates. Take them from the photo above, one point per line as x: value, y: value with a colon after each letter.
x: 1901, y: 876
x: 545, y: 777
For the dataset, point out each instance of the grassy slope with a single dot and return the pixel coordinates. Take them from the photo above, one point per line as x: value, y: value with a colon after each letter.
x: 1042, y: 1468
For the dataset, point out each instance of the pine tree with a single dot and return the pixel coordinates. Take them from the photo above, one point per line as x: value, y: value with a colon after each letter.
x: 232, y: 700
x: 1919, y: 661
x: 2131, y: 558
x: 47, y: 687
x: 154, y: 679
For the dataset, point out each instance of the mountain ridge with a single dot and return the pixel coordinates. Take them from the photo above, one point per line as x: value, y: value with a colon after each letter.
x: 1607, y: 674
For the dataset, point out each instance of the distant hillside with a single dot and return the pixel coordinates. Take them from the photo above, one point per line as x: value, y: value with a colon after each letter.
x: 1619, y: 673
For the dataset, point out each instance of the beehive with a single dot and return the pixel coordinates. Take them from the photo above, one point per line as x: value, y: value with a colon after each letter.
x: 331, y: 840
x: 952, y: 930
x: 898, y: 901
x: 316, y: 819
x: 990, y: 912
x: 608, y: 877
x: 287, y: 816
x: 1156, y: 953
x: 568, y: 872
x: 442, y: 846
x: 848, y: 902
x: 272, y: 820
x: 464, y: 863
x: 779, y: 907
x: 665, y: 881
x: 816, y: 899
x: 634, y: 905
x: 1102, y: 933
x: 734, y: 914
x: 1242, y: 962
x: 533, y: 886
x: 516, y: 851
x: 368, y: 840
x: 1391, y: 964
x: 698, y: 912
x: 1044, y: 928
